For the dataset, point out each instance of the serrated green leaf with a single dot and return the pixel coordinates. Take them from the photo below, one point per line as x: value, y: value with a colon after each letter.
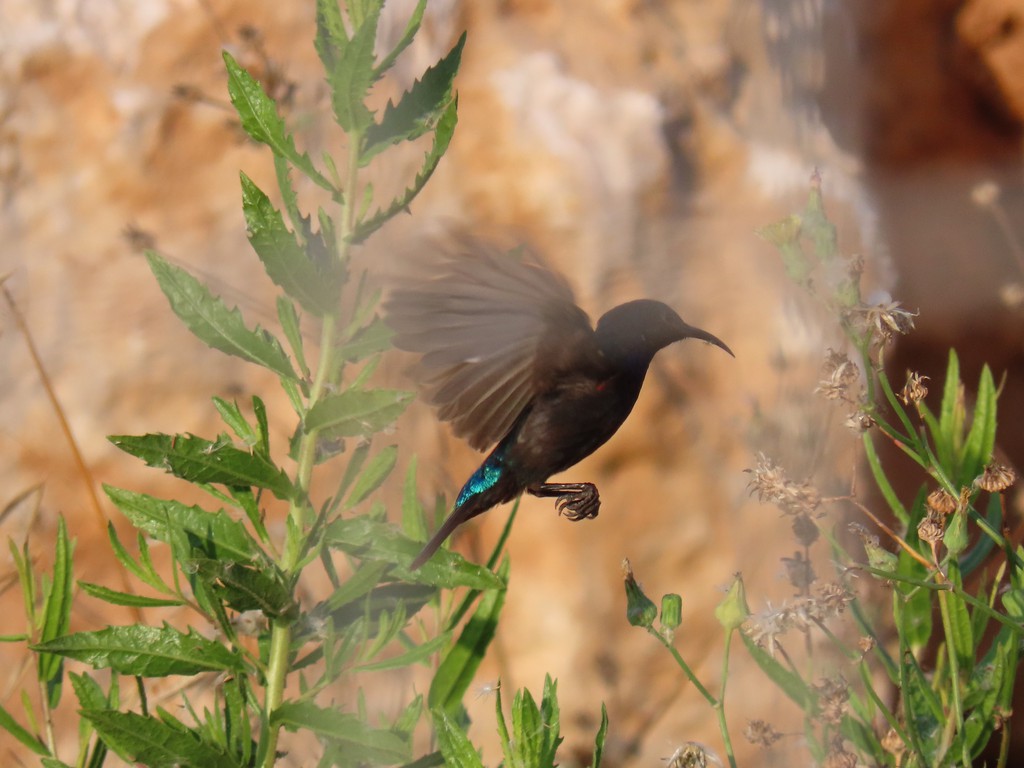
x: 369, y: 340
x: 316, y: 286
x: 373, y: 540
x: 456, y: 747
x: 208, y: 317
x: 418, y: 110
x: 145, y: 651
x: 88, y: 692
x: 457, y: 668
x: 356, y: 412
x: 9, y: 724
x: 247, y: 586
x: 260, y: 120
x: 348, y: 61
x: 535, y: 730
x: 57, y: 612
x: 144, y: 571
x: 373, y: 476
x: 203, y: 461
x: 373, y: 745
x: 151, y: 742
x: 443, y: 133
x: 124, y: 598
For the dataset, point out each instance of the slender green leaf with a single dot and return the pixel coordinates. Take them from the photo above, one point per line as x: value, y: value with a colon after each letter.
x: 373, y: 540
x: 88, y: 692
x: 9, y: 724
x: 151, y: 742
x: 289, y: 320
x: 891, y: 498
x: 356, y: 412
x: 261, y: 121
x: 787, y: 681
x: 455, y: 745
x: 373, y: 476
x: 236, y: 422
x: 414, y: 655
x: 315, y: 285
x: 145, y: 651
x: 203, y: 461
x: 125, y: 598
x: 213, y: 323
x: 57, y: 612
x: 457, y: 668
x: 411, y: 28
x: 982, y: 436
x: 372, y: 745
x: 443, y: 133
x: 144, y: 571
x: 412, y: 510
x: 418, y: 109
x: 602, y: 734
x: 960, y: 637
x: 369, y: 340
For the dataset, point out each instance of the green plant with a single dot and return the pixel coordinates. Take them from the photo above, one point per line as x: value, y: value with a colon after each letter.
x: 955, y: 576
x: 290, y: 626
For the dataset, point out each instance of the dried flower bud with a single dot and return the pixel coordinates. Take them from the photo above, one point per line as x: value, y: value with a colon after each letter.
x: 761, y: 733
x: 914, y: 391
x: 942, y: 501
x: 832, y: 599
x: 931, y: 527
x: 866, y: 643
x: 996, y: 478
x: 692, y: 755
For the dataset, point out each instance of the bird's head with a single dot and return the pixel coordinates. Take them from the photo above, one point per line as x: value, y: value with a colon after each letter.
x: 635, y: 331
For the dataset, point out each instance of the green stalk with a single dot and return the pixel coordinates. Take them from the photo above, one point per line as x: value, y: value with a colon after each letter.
x: 723, y: 726
x: 281, y: 634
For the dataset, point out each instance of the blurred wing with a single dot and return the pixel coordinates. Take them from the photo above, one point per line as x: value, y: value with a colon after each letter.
x: 478, y: 321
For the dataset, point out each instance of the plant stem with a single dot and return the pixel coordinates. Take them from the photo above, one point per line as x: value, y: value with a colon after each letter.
x: 723, y: 726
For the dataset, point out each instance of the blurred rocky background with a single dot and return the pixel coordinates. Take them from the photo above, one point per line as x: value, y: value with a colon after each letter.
x: 639, y: 144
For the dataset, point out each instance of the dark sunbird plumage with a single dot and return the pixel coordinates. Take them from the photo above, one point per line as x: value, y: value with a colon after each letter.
x: 511, y: 361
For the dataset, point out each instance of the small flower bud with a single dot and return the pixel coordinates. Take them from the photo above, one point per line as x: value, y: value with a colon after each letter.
x: 930, y: 528
x: 671, y: 611
x: 761, y: 733
x: 955, y: 537
x: 640, y: 611
x: 733, y: 610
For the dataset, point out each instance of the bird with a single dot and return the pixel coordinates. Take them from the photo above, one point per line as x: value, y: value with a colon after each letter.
x: 514, y: 364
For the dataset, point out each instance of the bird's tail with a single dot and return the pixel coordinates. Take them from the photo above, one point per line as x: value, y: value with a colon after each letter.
x: 471, y: 502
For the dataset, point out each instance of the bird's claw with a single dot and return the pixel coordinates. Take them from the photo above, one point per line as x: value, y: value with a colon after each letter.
x: 581, y: 505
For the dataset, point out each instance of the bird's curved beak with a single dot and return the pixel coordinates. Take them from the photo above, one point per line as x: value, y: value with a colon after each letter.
x: 692, y: 332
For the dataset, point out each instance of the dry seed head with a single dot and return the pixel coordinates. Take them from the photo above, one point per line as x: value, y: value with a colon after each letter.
x: 866, y: 644
x: 838, y: 757
x: 942, y: 501
x: 859, y: 421
x: 833, y: 598
x: 914, y: 391
x: 770, y: 483
x: 692, y: 755
x: 838, y: 376
x: 996, y: 478
x: 889, y: 320
x: 833, y: 693
x: 761, y: 733
x: 931, y: 527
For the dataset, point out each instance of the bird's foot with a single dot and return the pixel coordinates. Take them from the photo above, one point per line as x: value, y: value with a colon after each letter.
x: 577, y: 501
